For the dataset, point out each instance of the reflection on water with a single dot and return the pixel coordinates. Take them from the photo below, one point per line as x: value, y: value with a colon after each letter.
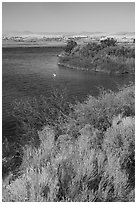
x: 29, y: 72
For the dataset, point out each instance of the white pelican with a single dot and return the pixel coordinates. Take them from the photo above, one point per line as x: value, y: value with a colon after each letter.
x: 54, y: 75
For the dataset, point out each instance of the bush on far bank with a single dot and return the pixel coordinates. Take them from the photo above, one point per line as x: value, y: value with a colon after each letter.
x: 106, y: 56
x: 70, y: 46
x: 108, y: 42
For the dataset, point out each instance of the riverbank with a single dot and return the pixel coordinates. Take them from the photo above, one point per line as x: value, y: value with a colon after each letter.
x: 107, y: 57
x: 86, y: 69
x: 77, y: 146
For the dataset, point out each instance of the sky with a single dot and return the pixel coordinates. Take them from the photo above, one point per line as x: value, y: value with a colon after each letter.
x: 68, y: 16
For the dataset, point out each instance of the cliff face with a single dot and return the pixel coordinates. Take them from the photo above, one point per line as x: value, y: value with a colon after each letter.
x: 100, y: 57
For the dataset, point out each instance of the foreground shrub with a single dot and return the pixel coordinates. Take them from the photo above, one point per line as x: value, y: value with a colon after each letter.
x: 119, y: 145
x: 100, y: 111
x: 92, y: 160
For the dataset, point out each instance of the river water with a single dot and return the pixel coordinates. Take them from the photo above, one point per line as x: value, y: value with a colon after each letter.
x: 29, y: 72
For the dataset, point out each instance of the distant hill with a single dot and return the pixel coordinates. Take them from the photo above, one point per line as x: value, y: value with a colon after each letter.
x: 98, y: 33
x: 125, y: 33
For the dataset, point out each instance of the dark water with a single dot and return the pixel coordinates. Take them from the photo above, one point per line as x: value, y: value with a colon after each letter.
x: 29, y: 72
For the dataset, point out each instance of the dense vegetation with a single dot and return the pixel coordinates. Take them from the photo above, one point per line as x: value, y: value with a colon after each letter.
x: 106, y: 56
x: 86, y: 151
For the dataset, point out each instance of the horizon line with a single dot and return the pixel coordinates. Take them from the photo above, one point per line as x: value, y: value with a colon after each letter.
x: 23, y: 31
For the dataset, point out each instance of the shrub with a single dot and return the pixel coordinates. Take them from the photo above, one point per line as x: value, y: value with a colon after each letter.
x: 93, y: 160
x: 100, y: 111
x: 108, y: 42
x: 119, y: 145
x: 70, y: 45
x: 104, y: 56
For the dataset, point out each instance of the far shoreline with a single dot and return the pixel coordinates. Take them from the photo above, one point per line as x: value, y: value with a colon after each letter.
x: 29, y: 44
x: 67, y: 66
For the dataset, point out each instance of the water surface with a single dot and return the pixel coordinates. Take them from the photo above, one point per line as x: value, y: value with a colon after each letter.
x: 29, y: 72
